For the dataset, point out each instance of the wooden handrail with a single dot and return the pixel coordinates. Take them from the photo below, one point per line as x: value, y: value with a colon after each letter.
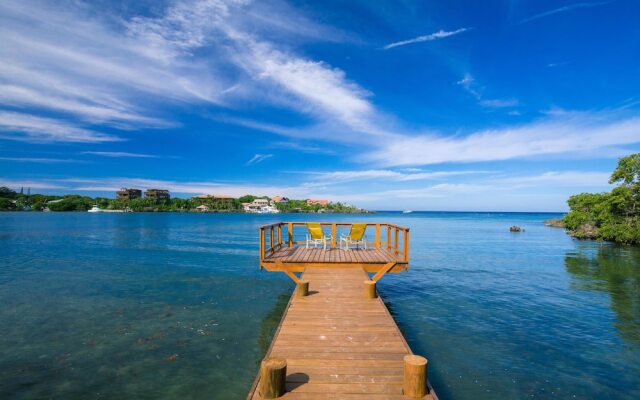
x: 396, y: 240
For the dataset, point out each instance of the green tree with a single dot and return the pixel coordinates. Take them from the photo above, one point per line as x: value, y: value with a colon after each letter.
x: 7, y: 193
x: 6, y: 204
x: 610, y: 216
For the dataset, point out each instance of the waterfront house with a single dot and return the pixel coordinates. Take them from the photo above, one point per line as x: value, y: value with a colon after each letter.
x: 128, y: 194
x: 259, y: 206
x: 312, y: 202
x: 157, y: 194
x: 279, y: 200
x: 202, y: 208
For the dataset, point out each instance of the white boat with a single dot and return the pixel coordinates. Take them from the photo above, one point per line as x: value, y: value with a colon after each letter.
x: 269, y: 210
x: 407, y: 211
x: 95, y: 209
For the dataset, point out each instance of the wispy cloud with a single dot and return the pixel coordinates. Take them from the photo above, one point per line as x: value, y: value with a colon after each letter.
x: 565, y: 9
x: 560, y: 133
x: 469, y: 84
x: 258, y: 158
x: 40, y: 160
x: 557, y: 64
x: 119, y: 154
x: 303, y: 147
x: 16, y: 184
x: 28, y: 128
x: 386, y: 175
x: 113, y: 184
x: 81, y: 67
x: 426, y: 38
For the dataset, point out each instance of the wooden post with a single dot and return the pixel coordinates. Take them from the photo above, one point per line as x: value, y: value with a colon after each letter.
x: 279, y: 236
x: 261, y: 244
x: 406, y: 245
x: 415, y: 376
x: 290, y: 229
x: 302, y: 288
x: 370, y: 290
x: 377, y: 236
x: 333, y: 235
x: 388, y: 237
x: 396, y: 234
x: 271, y: 238
x: 273, y: 372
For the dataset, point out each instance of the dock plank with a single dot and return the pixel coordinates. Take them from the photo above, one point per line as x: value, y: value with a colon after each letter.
x: 334, y: 255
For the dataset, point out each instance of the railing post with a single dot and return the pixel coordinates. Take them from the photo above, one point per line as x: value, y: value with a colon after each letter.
x: 279, y: 236
x: 261, y: 244
x: 377, y: 236
x: 406, y: 245
x: 290, y: 230
x: 396, y: 244
x: 334, y: 229
x: 388, y: 237
x: 271, y: 238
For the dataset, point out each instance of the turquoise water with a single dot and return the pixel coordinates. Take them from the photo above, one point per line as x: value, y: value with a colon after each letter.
x: 173, y: 306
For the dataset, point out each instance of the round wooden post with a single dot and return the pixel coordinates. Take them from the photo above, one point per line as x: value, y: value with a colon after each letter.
x: 302, y: 289
x: 273, y: 372
x: 415, y: 376
x: 370, y: 290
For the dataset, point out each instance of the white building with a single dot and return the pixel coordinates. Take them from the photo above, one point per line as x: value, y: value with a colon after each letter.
x: 260, y: 206
x: 202, y: 208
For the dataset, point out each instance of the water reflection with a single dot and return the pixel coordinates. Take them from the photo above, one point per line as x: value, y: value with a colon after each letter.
x: 270, y: 323
x: 614, y: 270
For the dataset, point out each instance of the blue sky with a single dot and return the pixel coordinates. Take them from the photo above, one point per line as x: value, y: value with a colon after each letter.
x: 428, y: 105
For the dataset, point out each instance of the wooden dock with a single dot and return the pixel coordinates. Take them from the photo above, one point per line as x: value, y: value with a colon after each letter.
x: 337, y: 337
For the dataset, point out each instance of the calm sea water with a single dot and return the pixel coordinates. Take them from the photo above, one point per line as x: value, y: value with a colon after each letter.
x: 173, y: 306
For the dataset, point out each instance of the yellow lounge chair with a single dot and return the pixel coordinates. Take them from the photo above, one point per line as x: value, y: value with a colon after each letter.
x: 356, y: 236
x: 316, y: 236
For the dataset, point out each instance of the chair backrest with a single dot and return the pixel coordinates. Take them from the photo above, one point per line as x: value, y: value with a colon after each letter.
x: 357, y: 231
x: 315, y: 230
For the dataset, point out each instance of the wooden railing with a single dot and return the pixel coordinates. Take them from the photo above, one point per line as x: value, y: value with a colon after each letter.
x: 280, y: 235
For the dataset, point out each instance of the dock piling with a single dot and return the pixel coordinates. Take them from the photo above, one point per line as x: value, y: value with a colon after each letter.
x: 273, y: 372
x: 370, y: 290
x: 302, y: 288
x: 415, y: 376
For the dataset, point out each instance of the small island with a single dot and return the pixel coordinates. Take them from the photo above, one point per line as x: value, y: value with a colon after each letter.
x: 612, y: 216
x: 160, y: 200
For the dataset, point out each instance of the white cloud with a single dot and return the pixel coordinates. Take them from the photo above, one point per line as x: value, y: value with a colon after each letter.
x: 64, y: 59
x: 559, y: 178
x: 426, y: 38
x: 316, y: 88
x: 118, y: 71
x: 17, y: 184
x: 258, y: 158
x: 113, y: 184
x: 40, y: 160
x: 28, y: 128
x: 577, y: 133
x: 468, y: 82
x: 119, y: 154
x: 384, y: 174
x: 564, y: 9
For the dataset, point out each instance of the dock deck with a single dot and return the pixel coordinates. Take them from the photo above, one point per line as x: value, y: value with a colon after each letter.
x: 389, y: 244
x: 336, y: 337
